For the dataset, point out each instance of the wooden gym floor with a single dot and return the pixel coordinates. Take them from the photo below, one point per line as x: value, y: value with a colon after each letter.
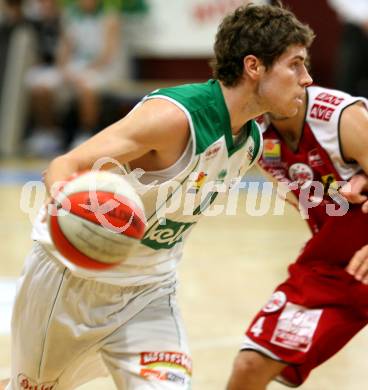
x: 230, y: 267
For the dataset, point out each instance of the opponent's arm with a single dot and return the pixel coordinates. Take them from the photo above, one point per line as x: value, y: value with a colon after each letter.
x: 156, y: 126
x: 354, y: 144
x: 354, y: 190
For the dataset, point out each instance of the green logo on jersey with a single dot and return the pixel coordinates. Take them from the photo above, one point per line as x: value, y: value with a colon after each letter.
x: 165, y: 236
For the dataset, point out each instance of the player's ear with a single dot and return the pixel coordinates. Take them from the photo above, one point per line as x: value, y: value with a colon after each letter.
x: 253, y: 67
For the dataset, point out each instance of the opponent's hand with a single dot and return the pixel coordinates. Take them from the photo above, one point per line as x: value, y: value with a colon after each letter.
x: 354, y: 190
x: 358, y: 265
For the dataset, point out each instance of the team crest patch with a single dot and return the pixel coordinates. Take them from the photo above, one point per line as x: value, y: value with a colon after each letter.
x: 276, y: 302
x: 26, y: 383
x: 296, y: 327
x: 301, y: 173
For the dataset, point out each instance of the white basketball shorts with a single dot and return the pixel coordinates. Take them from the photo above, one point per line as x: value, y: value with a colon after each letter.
x: 67, y: 331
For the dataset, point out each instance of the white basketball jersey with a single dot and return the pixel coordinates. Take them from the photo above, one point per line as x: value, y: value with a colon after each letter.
x: 174, y: 206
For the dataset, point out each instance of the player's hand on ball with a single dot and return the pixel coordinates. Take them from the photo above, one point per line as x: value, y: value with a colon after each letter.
x: 354, y: 191
x: 358, y: 265
x: 50, y: 205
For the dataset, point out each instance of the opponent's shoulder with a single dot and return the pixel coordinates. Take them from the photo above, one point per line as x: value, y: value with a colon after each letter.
x: 333, y: 99
x: 353, y: 131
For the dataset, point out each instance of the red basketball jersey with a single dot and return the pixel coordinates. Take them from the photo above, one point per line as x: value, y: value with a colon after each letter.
x: 318, y: 162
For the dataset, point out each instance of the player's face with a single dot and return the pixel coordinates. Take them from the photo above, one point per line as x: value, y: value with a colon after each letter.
x: 282, y: 86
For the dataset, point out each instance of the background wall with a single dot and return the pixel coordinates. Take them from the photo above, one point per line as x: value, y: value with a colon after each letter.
x: 176, y: 38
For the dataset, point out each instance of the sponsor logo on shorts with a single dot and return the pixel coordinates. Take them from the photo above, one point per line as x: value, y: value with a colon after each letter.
x: 163, y: 375
x: 175, y: 360
x: 29, y: 384
x: 276, y: 302
x: 296, y: 327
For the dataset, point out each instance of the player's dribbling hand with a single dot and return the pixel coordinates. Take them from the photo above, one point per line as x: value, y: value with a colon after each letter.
x: 354, y: 190
x: 51, y: 194
x: 358, y: 265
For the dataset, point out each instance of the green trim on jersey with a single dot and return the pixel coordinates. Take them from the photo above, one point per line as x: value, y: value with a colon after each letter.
x: 210, y: 116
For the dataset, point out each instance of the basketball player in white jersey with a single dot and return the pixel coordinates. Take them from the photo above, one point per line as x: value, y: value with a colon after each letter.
x: 69, y: 323
x: 324, y: 301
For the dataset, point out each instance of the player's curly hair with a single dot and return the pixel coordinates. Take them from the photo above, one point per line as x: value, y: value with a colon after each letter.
x: 264, y: 31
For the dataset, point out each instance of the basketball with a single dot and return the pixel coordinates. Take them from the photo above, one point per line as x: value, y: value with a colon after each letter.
x: 97, y: 220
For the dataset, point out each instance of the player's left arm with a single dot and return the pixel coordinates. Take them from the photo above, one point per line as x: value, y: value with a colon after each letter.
x: 354, y: 145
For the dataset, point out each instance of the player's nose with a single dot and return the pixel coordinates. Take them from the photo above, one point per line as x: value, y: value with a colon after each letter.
x: 306, y: 78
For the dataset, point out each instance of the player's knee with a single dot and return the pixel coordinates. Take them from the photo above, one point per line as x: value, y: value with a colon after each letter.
x: 247, y: 362
x: 250, y: 370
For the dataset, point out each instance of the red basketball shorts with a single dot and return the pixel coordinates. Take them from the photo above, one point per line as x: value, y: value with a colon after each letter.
x: 320, y: 307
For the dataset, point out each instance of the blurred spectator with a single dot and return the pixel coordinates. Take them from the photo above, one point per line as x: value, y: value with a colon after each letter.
x: 125, y: 6
x: 89, y: 60
x: 351, y: 64
x: 11, y: 17
x: 16, y: 55
x: 46, y: 20
x: 46, y: 138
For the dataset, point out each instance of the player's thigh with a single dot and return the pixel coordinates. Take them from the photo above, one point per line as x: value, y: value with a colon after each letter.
x: 37, y: 291
x: 150, y: 351
x: 49, y: 344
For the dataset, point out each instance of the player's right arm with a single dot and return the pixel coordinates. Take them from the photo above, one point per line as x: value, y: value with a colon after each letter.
x: 157, y: 129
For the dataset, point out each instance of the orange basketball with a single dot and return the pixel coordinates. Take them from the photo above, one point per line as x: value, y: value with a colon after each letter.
x: 98, y: 220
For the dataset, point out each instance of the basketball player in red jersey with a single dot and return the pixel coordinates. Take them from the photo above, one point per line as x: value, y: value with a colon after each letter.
x: 324, y: 301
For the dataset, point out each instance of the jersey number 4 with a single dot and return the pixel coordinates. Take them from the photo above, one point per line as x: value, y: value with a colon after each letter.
x: 257, y: 328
